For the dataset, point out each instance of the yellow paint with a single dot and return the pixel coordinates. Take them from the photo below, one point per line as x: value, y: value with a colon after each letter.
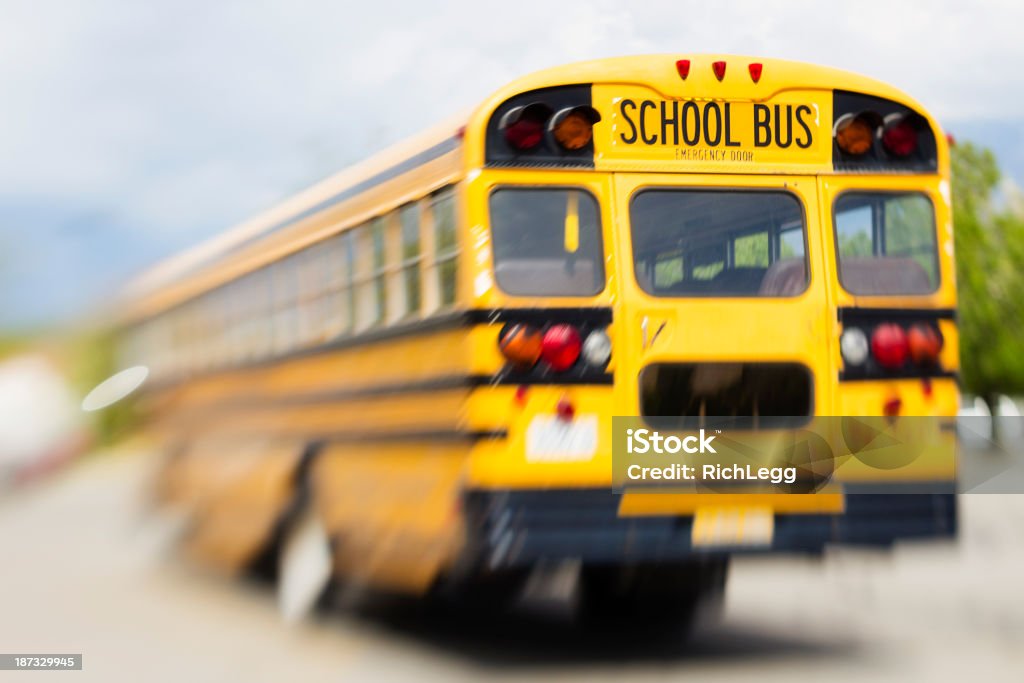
x: 653, y: 504
x: 393, y: 507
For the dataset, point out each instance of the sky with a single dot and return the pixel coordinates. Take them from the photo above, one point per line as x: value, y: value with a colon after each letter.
x: 131, y: 130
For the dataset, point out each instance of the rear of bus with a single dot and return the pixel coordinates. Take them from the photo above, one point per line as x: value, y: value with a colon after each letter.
x: 703, y: 238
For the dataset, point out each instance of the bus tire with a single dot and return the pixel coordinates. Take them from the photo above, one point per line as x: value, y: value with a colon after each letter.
x: 659, y: 594
x: 486, y: 592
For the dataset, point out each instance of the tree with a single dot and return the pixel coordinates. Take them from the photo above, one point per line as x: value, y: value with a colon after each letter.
x: 990, y: 278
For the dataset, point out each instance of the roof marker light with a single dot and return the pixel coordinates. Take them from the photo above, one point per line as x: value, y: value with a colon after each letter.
x: 683, y: 67
x: 755, y: 71
x: 719, y: 69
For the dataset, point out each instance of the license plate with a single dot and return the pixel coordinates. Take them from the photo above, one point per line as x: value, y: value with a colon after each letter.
x: 722, y: 527
x: 551, y: 439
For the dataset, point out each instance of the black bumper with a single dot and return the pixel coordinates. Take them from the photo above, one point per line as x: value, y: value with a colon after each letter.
x: 517, y: 528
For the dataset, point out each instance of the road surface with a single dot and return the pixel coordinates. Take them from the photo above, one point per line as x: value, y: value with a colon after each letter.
x: 84, y: 569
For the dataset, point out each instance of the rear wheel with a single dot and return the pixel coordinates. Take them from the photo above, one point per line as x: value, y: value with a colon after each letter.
x: 485, y: 592
x: 675, y: 593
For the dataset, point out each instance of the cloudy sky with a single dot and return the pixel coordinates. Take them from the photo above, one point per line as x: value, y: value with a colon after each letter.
x: 129, y: 130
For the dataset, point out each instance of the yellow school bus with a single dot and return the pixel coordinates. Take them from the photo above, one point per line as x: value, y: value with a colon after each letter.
x: 422, y: 355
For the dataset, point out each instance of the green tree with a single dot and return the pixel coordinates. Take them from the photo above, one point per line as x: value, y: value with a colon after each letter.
x: 990, y: 278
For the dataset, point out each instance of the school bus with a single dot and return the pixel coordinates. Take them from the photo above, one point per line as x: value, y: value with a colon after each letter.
x: 421, y: 356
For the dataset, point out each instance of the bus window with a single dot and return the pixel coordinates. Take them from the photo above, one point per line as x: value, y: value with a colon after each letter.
x: 886, y: 243
x: 411, y: 256
x: 446, y: 246
x: 719, y: 243
x: 371, y: 270
x: 378, y: 234
x: 346, y: 301
x: 547, y: 242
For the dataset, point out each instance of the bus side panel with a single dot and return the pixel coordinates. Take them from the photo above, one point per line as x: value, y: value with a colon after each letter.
x: 392, y: 510
x: 243, y: 435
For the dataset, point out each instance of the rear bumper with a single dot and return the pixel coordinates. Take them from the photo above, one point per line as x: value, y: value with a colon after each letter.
x: 518, y: 528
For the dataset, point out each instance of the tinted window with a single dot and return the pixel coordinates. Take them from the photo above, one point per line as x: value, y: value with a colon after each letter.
x: 718, y: 243
x: 411, y: 256
x: 446, y: 246
x: 547, y: 242
x: 886, y: 243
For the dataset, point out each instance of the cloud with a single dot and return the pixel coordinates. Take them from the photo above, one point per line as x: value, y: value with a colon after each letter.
x: 177, y: 119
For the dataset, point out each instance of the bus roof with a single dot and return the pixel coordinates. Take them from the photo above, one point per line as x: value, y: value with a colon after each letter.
x: 658, y: 72
x: 291, y: 209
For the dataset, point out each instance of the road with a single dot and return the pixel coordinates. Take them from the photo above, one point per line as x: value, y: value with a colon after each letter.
x: 84, y: 568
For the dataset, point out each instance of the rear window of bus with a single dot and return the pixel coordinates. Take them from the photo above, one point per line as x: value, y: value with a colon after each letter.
x: 886, y: 243
x: 547, y: 242
x: 725, y: 243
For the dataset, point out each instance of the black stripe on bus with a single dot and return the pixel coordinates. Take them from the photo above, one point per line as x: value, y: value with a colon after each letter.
x: 853, y: 315
x: 433, y: 435
x: 542, y: 316
x: 434, y: 384
x: 409, y: 164
x: 457, y: 320
x: 452, y: 320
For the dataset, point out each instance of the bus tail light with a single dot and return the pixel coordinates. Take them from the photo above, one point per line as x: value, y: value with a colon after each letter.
x: 853, y: 344
x: 560, y: 347
x: 892, y: 407
x: 899, y: 137
x: 924, y: 344
x: 597, y: 348
x: 855, y: 134
x: 719, y: 69
x: 521, y: 345
x: 524, y: 126
x: 565, y: 409
x: 573, y: 128
x: 755, y: 71
x: 889, y: 346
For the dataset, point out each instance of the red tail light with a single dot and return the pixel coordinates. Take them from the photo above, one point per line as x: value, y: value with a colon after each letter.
x: 719, y: 69
x: 755, y: 71
x: 889, y: 346
x: 525, y: 134
x: 900, y: 138
x: 924, y: 344
x: 683, y: 67
x: 560, y: 347
x: 524, y: 126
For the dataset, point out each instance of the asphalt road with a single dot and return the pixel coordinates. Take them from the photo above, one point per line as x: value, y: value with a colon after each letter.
x: 84, y: 568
